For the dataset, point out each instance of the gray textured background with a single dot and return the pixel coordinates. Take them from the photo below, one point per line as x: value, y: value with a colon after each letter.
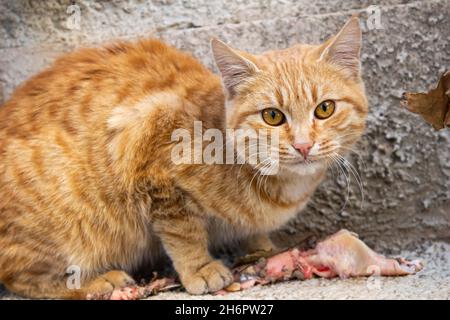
x: 404, y: 164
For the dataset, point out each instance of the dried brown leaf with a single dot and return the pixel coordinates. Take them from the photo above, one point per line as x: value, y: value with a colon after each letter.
x: 434, y: 105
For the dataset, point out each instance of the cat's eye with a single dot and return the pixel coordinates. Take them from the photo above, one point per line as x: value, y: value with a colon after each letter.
x: 324, y: 109
x: 273, y: 117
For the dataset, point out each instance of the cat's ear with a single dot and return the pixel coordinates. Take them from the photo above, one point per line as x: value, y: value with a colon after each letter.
x: 234, y: 68
x: 344, y: 48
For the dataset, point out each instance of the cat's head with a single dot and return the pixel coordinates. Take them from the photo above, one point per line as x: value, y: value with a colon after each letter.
x: 311, y: 95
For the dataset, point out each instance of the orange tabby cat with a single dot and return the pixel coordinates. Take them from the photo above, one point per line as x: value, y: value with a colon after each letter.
x: 87, y: 178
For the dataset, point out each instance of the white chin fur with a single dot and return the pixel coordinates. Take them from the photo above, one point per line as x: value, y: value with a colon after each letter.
x: 303, y: 169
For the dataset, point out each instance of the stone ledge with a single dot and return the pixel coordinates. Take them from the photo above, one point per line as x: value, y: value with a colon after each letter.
x: 44, y: 23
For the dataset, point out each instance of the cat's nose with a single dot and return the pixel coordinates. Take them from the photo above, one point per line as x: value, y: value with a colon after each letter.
x: 304, y: 148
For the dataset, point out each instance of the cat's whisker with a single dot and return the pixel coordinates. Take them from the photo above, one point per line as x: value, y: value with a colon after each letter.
x: 261, y: 182
x: 354, y: 172
x: 245, y: 163
x: 329, y: 162
x: 342, y: 169
x: 258, y: 173
x: 350, y: 134
x: 264, y: 185
x: 333, y: 146
x: 357, y: 153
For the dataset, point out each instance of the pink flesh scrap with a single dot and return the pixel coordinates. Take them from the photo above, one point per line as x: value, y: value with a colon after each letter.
x: 345, y: 255
x: 342, y: 254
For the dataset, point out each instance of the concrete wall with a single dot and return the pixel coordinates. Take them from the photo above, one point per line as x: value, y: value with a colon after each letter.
x: 404, y: 165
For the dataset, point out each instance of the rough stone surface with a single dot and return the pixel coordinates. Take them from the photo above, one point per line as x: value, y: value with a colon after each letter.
x: 404, y: 165
x: 30, y: 23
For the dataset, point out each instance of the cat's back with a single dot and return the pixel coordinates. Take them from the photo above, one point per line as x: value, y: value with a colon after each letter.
x: 80, y: 88
x: 54, y: 132
x: 67, y: 106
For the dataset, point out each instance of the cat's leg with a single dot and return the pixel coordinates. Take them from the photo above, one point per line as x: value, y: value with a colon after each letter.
x: 32, y: 265
x: 45, y: 285
x: 104, y: 283
x: 186, y: 242
x: 259, y: 242
x: 256, y: 247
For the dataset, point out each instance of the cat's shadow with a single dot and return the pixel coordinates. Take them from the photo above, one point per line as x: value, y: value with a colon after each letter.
x: 6, y: 295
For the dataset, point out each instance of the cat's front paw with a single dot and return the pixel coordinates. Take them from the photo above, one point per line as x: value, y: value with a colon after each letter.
x: 210, y: 278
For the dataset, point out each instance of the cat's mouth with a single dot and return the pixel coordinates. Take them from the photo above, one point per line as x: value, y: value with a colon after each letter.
x: 302, y: 166
x: 300, y: 161
x: 297, y: 165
